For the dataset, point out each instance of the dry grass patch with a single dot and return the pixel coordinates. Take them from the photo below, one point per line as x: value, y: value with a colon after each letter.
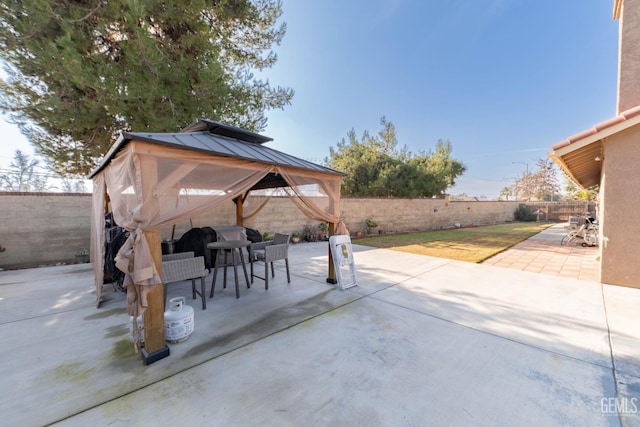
x: 464, y: 244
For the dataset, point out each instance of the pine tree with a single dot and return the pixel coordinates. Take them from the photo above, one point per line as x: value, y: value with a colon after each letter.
x: 79, y: 72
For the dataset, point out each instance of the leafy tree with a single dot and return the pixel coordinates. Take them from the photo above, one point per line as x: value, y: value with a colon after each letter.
x: 441, y: 169
x: 524, y: 213
x: 79, y: 72
x: 546, y: 180
x: 506, y: 192
x: 375, y: 167
x: 541, y: 184
x: 73, y: 186
x: 573, y: 192
x: 23, y: 175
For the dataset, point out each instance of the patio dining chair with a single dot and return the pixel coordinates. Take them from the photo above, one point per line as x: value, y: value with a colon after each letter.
x: 267, y: 253
x: 184, y: 266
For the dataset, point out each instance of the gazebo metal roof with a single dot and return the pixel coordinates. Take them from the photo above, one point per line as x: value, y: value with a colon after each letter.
x: 220, y: 139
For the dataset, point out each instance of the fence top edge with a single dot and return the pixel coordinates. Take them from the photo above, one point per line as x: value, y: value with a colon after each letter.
x: 42, y: 194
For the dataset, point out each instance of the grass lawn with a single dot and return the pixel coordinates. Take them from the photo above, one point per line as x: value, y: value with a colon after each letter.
x: 473, y: 244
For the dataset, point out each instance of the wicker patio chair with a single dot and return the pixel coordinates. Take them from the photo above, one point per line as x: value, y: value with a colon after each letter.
x: 179, y: 270
x: 267, y: 253
x: 178, y: 255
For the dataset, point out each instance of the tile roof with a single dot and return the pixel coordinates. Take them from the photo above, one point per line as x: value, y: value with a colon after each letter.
x: 625, y: 115
x: 576, y: 155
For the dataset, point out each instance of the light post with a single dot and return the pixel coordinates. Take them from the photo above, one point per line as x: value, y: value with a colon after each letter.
x: 526, y: 177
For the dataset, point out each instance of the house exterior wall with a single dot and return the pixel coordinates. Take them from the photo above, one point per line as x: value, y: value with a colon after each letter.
x: 629, y: 56
x: 619, y: 210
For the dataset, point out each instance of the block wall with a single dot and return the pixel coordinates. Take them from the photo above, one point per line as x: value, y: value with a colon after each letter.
x: 46, y: 228
x: 43, y: 228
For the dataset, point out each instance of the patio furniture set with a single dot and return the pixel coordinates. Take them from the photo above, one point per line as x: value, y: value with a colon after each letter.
x: 226, y: 251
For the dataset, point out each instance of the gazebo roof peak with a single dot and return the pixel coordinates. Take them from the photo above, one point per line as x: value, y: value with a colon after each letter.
x: 227, y: 130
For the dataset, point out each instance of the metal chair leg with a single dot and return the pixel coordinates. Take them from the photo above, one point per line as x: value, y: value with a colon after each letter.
x: 235, y: 273
x: 202, y: 291
x: 215, y: 274
x: 244, y: 269
x: 286, y: 263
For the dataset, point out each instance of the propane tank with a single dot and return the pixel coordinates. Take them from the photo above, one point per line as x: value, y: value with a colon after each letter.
x: 178, y: 320
x: 133, y: 333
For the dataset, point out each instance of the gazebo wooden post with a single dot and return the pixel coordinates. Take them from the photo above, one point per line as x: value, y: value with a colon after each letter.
x: 106, y: 199
x: 155, y: 347
x: 238, y: 201
x: 331, y: 277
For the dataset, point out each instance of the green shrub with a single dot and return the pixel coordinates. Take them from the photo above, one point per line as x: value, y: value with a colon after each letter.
x: 524, y: 213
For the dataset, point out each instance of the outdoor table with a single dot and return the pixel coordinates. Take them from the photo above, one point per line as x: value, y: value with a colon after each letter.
x: 229, y: 247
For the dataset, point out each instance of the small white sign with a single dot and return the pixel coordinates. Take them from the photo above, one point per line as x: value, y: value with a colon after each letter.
x: 342, y: 255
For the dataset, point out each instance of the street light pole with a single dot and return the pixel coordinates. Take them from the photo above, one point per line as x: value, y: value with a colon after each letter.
x: 526, y: 180
x: 523, y: 163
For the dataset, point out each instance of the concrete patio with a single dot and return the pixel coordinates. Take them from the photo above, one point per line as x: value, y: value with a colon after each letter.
x: 421, y: 341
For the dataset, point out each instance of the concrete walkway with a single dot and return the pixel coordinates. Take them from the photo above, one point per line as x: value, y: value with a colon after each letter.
x: 421, y: 341
x: 543, y: 253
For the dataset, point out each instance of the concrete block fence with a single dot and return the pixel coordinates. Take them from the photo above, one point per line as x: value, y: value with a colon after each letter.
x: 49, y: 228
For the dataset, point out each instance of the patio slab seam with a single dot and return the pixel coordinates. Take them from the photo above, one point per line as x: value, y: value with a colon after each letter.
x: 614, y: 371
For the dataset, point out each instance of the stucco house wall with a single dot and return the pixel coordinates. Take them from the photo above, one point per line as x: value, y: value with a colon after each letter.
x: 619, y: 210
x: 628, y: 58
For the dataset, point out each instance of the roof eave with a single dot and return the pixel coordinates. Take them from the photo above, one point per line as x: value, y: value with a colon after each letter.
x: 585, y: 143
x: 617, y: 9
x: 564, y: 168
x: 580, y: 164
x: 117, y: 146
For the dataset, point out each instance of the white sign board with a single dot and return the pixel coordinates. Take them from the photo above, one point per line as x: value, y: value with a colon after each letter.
x: 342, y: 255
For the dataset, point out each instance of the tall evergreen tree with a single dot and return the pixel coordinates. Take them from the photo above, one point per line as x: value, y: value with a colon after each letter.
x: 81, y: 71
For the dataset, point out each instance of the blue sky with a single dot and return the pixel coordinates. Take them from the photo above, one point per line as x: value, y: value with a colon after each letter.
x: 503, y: 80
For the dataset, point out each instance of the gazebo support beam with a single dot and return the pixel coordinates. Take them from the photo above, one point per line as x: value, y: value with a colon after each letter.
x: 239, y: 202
x: 155, y: 347
x: 331, y: 276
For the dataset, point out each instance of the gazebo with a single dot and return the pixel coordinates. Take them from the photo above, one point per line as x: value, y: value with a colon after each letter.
x: 154, y: 180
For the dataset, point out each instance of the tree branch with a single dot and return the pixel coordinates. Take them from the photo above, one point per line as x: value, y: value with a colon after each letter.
x: 91, y: 12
